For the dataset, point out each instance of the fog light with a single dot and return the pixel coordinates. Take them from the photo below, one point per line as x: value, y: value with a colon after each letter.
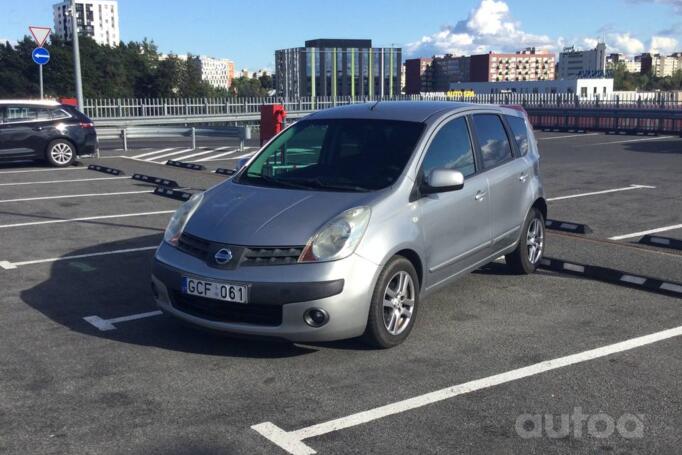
x: 316, y: 317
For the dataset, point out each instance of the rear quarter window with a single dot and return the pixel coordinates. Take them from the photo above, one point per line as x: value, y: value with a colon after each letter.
x: 59, y: 114
x: 520, y: 132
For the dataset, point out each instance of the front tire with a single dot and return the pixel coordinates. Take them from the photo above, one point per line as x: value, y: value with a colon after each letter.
x: 526, y: 257
x: 393, y: 309
x: 61, y: 153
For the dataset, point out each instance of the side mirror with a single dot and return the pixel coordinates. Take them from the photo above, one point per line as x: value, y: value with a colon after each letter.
x: 443, y: 180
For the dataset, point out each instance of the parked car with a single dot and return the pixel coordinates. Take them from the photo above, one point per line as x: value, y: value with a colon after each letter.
x: 343, y: 223
x: 44, y: 130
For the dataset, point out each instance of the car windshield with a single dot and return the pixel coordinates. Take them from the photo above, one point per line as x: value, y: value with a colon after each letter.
x: 336, y: 155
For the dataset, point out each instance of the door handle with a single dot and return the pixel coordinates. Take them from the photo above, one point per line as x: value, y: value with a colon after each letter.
x: 523, y: 177
x: 480, y: 195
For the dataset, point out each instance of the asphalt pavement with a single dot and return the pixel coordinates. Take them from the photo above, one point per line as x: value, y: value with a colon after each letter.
x: 495, y: 364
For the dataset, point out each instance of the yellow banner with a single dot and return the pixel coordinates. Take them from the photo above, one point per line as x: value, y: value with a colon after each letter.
x: 461, y: 93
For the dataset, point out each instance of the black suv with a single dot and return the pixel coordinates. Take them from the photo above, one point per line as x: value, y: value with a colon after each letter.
x: 44, y: 130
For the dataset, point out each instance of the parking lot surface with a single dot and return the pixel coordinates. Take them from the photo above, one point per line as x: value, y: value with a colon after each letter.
x: 88, y: 365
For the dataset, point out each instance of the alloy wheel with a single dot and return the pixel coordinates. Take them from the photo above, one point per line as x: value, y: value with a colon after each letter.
x: 398, y: 303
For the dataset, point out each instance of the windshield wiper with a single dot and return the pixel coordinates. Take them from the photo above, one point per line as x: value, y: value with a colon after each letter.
x: 282, y: 182
x: 332, y: 186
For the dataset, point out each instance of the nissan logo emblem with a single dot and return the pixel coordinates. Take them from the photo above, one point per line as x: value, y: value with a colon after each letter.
x: 223, y: 256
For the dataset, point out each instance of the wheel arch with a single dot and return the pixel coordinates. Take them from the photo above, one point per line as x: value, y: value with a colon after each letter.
x: 541, y: 204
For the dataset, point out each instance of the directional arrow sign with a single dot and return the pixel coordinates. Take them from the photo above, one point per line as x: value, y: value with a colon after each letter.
x: 40, y: 34
x: 40, y: 55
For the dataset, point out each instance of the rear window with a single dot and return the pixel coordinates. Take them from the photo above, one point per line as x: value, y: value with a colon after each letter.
x: 492, y: 139
x: 518, y: 127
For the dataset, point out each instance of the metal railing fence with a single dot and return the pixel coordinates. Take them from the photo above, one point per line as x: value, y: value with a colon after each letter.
x: 150, y: 108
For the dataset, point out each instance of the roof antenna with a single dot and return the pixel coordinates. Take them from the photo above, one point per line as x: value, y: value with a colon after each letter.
x: 374, y: 105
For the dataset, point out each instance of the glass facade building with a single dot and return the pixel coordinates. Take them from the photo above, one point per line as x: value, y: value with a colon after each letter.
x: 338, y: 67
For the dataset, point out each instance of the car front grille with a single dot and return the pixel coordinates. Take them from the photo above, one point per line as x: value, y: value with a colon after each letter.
x: 244, y: 256
x: 220, y: 311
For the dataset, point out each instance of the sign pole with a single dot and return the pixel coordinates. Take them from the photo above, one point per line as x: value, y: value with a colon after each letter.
x: 76, y: 55
x: 40, y: 55
x: 41, y: 81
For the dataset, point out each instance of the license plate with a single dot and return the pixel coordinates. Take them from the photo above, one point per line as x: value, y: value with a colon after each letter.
x: 212, y: 290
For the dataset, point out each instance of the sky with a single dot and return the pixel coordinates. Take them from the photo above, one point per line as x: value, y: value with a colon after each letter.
x: 248, y: 32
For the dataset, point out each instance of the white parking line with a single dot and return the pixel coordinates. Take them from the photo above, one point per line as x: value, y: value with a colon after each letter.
x: 155, y: 152
x: 613, y: 190
x: 108, y: 324
x: 192, y: 155
x: 22, y: 171
x: 650, y: 231
x: 89, y: 218
x: 67, y: 196
x: 7, y: 265
x: 63, y: 181
x: 292, y: 441
x: 654, y: 138
x: 567, y: 136
x: 159, y: 157
x: 219, y: 155
x: 248, y: 155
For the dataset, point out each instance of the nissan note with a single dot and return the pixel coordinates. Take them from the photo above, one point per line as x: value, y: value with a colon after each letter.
x: 343, y: 223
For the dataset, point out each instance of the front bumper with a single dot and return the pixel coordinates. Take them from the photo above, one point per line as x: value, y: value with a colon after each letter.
x: 279, y: 296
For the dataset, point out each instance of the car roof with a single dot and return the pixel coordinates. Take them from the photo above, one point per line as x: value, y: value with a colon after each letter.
x: 31, y: 102
x: 409, y: 111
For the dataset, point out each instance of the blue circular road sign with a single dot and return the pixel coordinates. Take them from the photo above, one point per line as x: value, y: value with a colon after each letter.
x: 40, y: 55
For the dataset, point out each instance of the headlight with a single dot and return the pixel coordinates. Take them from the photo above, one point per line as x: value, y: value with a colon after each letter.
x: 180, y: 218
x: 338, y: 238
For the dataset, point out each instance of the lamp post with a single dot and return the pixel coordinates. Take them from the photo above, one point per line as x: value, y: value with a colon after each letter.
x: 76, y: 55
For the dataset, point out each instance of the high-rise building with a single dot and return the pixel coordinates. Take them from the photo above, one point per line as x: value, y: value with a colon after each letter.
x: 525, y: 65
x: 418, y: 76
x: 218, y: 72
x: 661, y: 65
x: 436, y: 74
x: 448, y: 69
x: 97, y: 19
x: 338, y: 67
x: 632, y: 65
x: 575, y: 63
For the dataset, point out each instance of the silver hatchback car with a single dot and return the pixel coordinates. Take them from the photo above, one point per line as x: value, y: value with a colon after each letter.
x: 343, y: 223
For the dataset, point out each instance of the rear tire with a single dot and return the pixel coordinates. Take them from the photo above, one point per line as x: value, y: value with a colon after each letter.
x: 526, y: 257
x: 393, y: 309
x: 60, y: 153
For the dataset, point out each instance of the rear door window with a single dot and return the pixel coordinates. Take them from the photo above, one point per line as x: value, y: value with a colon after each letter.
x: 19, y: 114
x: 520, y: 131
x: 492, y: 139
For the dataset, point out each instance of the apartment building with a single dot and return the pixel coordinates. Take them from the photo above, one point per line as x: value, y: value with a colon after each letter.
x: 97, y: 19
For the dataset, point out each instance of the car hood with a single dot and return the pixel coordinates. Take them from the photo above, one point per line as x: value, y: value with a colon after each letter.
x: 263, y: 216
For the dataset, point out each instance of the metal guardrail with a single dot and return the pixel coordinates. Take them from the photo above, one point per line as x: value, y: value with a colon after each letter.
x: 635, y: 121
x: 242, y: 133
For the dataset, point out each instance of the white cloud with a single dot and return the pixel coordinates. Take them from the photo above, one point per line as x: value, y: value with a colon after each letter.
x: 491, y: 27
x: 624, y: 43
x: 488, y: 27
x: 663, y: 45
